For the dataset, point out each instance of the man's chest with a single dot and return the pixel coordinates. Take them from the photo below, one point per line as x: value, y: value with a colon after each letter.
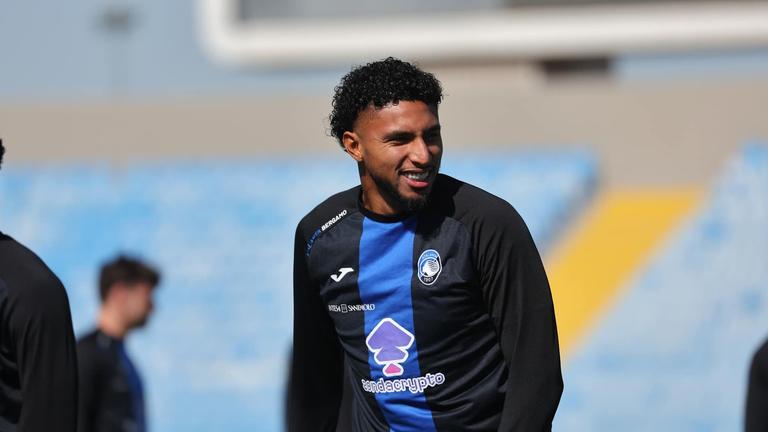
x: 416, y: 278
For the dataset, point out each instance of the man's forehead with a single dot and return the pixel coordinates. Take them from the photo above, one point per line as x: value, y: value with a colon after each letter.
x: 135, y: 284
x: 400, y: 112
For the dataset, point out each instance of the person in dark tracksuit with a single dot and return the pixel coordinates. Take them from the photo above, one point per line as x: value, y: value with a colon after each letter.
x: 111, y: 389
x: 757, y: 393
x: 420, y: 301
x: 38, y: 363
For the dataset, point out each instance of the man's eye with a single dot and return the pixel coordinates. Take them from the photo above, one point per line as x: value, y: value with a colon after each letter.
x: 432, y: 137
x: 399, y: 140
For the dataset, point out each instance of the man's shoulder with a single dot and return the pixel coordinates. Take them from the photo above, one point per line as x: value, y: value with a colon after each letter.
x: 761, y: 356
x: 97, y: 355
x: 95, y: 345
x: 88, y: 340
x: 330, y: 211
x: 470, y: 204
x: 24, y: 273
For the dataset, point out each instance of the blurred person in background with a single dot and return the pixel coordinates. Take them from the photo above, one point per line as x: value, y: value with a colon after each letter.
x: 757, y: 393
x: 38, y: 362
x: 419, y: 300
x: 111, y: 390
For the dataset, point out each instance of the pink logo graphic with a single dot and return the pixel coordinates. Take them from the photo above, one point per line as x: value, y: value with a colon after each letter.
x: 389, y: 342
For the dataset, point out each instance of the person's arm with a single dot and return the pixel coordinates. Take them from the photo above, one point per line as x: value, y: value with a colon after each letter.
x: 517, y: 293
x: 316, y: 369
x: 756, y: 419
x: 41, y: 326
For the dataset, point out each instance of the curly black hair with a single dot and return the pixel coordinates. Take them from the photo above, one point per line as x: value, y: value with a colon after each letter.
x: 380, y: 83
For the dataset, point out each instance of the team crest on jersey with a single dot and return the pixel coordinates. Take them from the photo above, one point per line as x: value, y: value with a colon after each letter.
x: 429, y: 266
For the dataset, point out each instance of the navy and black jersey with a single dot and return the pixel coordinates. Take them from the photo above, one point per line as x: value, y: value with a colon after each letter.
x: 111, y: 391
x: 38, y: 363
x: 440, y: 320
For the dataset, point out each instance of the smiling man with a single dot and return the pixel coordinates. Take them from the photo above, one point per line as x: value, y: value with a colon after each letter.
x: 419, y: 300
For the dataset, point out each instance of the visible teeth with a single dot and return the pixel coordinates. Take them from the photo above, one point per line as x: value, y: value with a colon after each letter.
x: 417, y: 176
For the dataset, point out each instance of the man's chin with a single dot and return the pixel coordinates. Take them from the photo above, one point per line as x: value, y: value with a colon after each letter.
x: 410, y: 202
x: 140, y: 323
x: 414, y: 204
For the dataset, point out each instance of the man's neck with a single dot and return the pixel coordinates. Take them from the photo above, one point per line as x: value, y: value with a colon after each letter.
x: 378, y: 206
x: 376, y: 201
x: 111, y: 326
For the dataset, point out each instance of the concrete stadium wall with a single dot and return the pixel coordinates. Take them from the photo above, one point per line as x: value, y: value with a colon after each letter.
x: 644, y: 133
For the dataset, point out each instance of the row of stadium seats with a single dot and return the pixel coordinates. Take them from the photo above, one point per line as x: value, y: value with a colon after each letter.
x: 674, y: 352
x: 215, y: 352
x: 671, y: 355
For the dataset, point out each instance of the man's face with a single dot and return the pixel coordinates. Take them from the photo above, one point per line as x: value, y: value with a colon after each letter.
x: 136, y: 303
x: 399, y: 148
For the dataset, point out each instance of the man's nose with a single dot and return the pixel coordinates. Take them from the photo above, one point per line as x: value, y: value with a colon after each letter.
x: 420, y: 152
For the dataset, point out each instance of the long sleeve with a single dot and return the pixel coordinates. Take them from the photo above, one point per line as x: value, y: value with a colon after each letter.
x: 757, y: 395
x: 316, y: 369
x: 519, y: 300
x: 41, y: 326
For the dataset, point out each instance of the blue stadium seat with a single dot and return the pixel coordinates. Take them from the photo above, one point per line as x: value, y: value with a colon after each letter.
x: 673, y: 355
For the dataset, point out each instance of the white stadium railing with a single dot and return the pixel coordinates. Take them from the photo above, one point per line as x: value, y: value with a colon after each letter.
x: 522, y: 33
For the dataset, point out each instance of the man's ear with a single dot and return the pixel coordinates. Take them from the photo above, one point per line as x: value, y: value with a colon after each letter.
x: 351, y: 143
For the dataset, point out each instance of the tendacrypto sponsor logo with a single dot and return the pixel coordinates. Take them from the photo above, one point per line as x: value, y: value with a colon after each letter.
x: 414, y: 385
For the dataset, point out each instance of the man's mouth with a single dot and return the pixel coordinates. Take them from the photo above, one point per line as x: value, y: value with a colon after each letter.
x: 417, y: 179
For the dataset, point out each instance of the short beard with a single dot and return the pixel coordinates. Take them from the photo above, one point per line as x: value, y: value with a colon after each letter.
x: 408, y: 205
x: 139, y: 323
